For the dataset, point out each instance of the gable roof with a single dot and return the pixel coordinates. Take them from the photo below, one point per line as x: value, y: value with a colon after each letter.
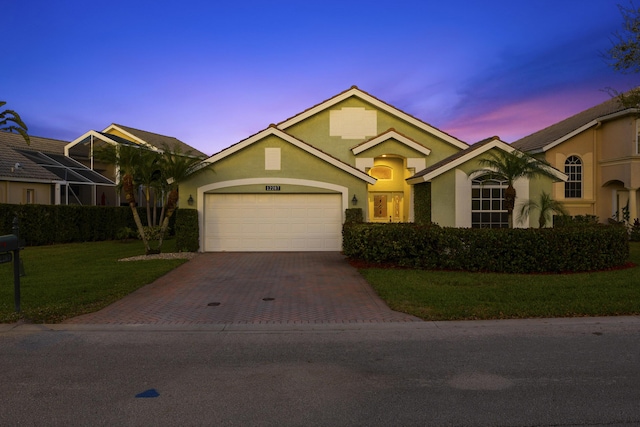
x: 46, y: 145
x: 154, y: 139
x: 88, y: 136
x: 464, y: 156
x: 272, y: 130
x: 555, y: 134
x: 354, y: 91
x: 387, y: 135
x: 27, y: 170
x: 41, y: 161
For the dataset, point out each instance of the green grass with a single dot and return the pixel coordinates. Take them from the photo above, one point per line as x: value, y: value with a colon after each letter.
x: 64, y: 281
x: 444, y: 295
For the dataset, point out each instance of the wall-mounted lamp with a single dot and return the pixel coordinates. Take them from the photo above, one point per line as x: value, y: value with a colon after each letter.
x: 190, y: 200
x: 354, y: 201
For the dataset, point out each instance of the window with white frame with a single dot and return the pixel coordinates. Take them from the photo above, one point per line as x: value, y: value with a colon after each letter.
x: 573, y: 169
x: 487, y: 203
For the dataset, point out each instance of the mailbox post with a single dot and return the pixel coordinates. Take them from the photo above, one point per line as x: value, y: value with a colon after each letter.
x: 8, y: 244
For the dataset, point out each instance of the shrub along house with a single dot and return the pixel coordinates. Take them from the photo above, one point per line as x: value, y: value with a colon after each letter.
x: 286, y: 187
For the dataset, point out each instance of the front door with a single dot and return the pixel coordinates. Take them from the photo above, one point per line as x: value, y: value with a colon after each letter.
x: 386, y: 207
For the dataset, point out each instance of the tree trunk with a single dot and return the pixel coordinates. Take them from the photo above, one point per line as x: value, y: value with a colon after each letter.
x: 147, y: 197
x: 510, y: 202
x: 129, y: 189
x: 172, y: 202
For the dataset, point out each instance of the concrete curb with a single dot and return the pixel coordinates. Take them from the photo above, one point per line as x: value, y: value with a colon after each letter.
x: 468, y: 327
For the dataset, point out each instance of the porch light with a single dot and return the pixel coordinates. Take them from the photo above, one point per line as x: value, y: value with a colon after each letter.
x: 354, y: 201
x: 190, y: 200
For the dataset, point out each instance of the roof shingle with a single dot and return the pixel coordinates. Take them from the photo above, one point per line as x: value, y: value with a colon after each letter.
x: 160, y: 141
x: 538, y: 140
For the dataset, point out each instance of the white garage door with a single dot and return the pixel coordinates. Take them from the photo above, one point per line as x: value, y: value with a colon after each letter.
x: 273, y: 222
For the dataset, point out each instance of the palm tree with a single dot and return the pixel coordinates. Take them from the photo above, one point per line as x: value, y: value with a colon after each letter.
x: 511, y: 166
x: 176, y: 167
x: 157, y: 171
x: 547, y: 207
x: 10, y: 121
x: 148, y: 175
x: 128, y: 159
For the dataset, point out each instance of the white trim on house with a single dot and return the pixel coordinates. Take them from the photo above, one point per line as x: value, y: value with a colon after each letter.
x: 463, y: 198
x: 344, y: 191
x: 391, y: 134
x: 132, y: 136
x: 568, y: 136
x: 85, y: 136
x: 584, y: 127
x: 364, y: 163
x: 416, y: 163
x: 34, y: 180
x: 354, y: 91
x: 293, y: 141
x: 496, y: 143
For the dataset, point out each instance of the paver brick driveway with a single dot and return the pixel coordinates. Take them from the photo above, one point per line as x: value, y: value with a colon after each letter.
x: 256, y: 287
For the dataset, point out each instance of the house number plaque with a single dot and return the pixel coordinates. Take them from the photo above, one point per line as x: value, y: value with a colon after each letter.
x: 272, y: 188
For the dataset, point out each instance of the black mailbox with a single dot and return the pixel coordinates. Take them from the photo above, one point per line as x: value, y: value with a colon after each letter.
x: 8, y: 243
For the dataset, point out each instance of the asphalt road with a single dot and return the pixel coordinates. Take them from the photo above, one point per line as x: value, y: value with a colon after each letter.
x: 549, y: 372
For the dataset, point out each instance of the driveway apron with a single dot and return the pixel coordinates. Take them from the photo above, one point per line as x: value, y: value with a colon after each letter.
x: 254, y: 287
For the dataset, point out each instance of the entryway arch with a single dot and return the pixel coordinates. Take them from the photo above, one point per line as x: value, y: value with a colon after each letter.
x: 389, y: 199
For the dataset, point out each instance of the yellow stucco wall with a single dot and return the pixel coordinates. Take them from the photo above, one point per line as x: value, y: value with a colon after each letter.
x: 16, y: 192
x: 584, y: 146
x: 315, y: 130
x: 611, y: 167
x: 250, y: 163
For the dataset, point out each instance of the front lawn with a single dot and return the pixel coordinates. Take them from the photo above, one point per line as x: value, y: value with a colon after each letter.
x: 64, y: 281
x: 444, y: 295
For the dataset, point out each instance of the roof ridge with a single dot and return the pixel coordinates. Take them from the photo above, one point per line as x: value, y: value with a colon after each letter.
x: 388, y: 105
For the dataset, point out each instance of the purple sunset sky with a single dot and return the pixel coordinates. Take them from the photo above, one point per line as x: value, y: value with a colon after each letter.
x: 212, y: 73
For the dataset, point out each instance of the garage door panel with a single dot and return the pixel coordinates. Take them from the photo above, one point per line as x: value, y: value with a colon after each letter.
x: 280, y: 228
x: 273, y: 222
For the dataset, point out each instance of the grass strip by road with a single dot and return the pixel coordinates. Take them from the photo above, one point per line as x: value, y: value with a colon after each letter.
x: 446, y: 295
x: 64, y: 281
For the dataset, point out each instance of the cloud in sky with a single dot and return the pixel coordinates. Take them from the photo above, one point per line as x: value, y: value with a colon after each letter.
x: 213, y: 73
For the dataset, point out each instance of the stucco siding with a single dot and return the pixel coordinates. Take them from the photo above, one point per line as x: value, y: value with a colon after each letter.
x: 443, y: 203
x: 13, y: 192
x: 315, y: 130
x: 295, y: 164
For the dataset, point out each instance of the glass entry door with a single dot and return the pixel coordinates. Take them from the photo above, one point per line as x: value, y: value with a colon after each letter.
x: 386, y: 207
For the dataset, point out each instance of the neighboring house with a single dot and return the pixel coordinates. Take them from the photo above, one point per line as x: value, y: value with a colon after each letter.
x: 599, y: 150
x: 82, y: 150
x: 39, y: 173
x: 286, y: 188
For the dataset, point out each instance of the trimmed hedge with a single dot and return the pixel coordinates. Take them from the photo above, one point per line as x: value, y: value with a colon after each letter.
x: 422, y: 203
x: 51, y: 224
x: 353, y: 215
x: 187, y: 230
x: 531, y: 250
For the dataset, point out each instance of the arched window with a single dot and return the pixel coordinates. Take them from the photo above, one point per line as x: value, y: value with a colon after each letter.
x: 487, y: 203
x: 573, y: 169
